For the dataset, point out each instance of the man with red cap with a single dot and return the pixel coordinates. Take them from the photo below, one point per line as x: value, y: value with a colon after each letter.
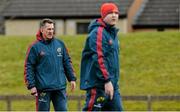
x: 100, y: 63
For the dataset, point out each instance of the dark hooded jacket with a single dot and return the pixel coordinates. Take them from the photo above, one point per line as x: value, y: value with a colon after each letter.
x: 100, y: 57
x: 47, y: 65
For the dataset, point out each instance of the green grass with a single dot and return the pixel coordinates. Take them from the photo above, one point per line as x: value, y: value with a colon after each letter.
x: 150, y: 65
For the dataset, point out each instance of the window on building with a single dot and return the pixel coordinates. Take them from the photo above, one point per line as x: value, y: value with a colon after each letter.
x: 2, y: 26
x: 82, y: 28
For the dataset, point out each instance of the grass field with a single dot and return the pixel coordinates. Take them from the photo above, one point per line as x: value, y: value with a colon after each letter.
x: 150, y: 65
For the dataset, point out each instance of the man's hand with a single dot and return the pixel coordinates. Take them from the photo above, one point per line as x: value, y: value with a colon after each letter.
x: 109, y: 89
x: 73, y: 85
x: 34, y: 91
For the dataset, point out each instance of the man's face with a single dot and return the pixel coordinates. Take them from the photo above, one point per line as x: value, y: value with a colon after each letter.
x: 48, y: 31
x: 111, y: 18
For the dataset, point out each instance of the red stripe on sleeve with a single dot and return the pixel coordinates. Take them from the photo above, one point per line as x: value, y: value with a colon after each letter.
x: 25, y: 63
x: 100, y: 53
x: 70, y: 60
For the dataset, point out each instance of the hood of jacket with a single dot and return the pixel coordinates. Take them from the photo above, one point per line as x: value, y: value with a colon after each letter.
x: 39, y: 37
x: 99, y: 22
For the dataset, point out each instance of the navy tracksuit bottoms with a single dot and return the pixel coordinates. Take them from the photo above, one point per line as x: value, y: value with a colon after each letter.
x: 97, y: 100
x: 58, y: 98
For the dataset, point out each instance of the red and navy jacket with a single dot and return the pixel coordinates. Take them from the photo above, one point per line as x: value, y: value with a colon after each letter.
x: 47, y: 65
x: 100, y: 56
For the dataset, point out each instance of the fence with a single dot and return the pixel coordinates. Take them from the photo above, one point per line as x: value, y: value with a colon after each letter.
x: 149, y: 99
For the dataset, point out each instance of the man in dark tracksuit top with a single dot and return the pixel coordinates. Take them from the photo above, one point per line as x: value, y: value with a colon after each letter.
x: 47, y: 65
x: 100, y: 63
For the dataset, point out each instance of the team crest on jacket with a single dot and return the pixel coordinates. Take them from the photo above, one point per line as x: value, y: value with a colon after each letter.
x: 42, y: 53
x: 59, y: 51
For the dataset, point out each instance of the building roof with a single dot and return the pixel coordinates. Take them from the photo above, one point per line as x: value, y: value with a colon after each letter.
x: 60, y: 8
x: 159, y: 13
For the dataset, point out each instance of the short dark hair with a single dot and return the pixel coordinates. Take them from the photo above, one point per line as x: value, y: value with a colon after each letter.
x: 46, y: 20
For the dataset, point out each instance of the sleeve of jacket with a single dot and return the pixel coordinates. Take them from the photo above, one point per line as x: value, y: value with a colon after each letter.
x: 68, y: 68
x: 99, y: 47
x: 29, y: 67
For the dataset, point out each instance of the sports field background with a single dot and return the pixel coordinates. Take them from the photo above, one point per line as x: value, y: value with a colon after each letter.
x: 150, y: 65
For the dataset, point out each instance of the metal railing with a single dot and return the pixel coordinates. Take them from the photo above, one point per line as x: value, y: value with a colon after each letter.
x: 149, y: 99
